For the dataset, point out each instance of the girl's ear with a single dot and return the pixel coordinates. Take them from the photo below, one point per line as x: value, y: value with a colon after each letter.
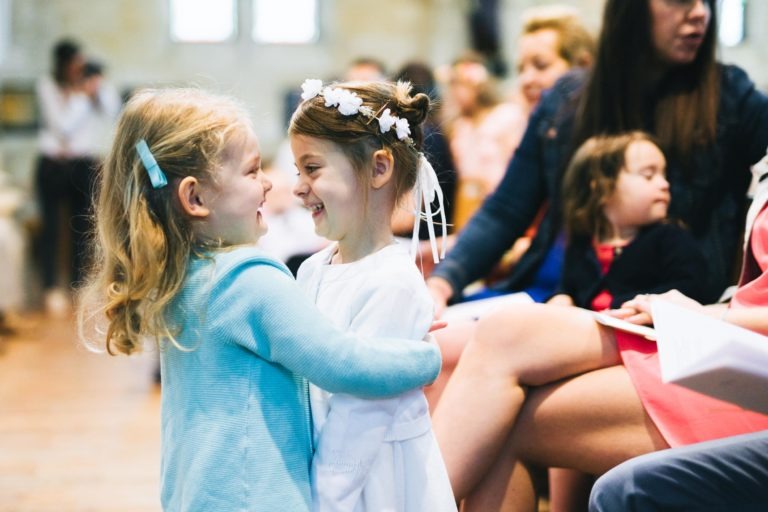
x: 191, y: 199
x: 383, y: 167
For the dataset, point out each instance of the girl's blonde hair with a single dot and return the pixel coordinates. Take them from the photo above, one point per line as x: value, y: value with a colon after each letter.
x: 143, y: 239
x: 590, y: 180
x: 358, y: 136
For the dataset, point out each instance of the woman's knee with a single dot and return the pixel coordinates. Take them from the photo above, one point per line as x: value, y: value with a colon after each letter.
x: 509, y: 330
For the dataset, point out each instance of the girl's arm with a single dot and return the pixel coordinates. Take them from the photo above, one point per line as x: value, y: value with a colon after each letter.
x: 275, y: 320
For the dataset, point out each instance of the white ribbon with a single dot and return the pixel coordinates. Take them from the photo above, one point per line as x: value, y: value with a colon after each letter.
x: 426, y: 189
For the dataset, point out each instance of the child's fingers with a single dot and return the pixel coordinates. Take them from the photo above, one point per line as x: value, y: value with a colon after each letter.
x: 438, y: 324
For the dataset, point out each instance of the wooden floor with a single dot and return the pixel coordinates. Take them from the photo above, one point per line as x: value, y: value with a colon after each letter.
x: 78, y: 431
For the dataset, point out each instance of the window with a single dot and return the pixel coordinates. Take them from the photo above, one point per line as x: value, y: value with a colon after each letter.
x: 5, y: 28
x: 285, y: 21
x: 731, y: 22
x: 203, y: 21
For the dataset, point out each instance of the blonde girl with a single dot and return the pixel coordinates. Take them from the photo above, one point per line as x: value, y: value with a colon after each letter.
x: 615, y: 202
x: 357, y: 150
x: 178, y: 214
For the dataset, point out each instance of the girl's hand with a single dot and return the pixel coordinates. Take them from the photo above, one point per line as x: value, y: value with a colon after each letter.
x: 437, y: 325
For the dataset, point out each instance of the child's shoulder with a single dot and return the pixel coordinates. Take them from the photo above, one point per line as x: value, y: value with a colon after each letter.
x: 226, y: 262
x: 394, y: 261
x: 392, y: 271
x: 668, y: 230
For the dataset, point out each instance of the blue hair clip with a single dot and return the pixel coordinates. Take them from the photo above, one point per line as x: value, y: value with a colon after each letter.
x: 156, y: 175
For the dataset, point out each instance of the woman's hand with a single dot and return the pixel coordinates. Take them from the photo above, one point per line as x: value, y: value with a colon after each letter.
x: 441, y: 292
x: 638, y: 310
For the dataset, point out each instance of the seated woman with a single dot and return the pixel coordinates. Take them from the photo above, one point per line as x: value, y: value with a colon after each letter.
x: 548, y: 386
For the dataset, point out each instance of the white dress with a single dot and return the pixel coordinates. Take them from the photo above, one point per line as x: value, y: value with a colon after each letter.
x: 374, y: 455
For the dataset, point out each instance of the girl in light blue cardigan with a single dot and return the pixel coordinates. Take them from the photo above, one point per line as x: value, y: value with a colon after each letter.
x: 178, y: 214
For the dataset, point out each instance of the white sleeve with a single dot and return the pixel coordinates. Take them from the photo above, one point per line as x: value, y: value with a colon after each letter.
x: 355, y: 428
x: 62, y: 117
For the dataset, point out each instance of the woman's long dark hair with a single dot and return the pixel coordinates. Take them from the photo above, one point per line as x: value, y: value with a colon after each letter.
x: 63, y: 53
x: 617, y: 99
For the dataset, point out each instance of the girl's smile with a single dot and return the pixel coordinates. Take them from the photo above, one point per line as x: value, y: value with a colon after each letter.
x: 329, y: 187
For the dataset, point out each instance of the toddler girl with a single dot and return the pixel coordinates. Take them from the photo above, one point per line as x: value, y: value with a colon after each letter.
x: 356, y: 147
x: 178, y: 215
x: 615, y: 200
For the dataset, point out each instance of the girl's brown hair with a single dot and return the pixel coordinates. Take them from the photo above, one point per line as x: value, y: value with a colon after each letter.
x: 143, y: 239
x: 590, y: 180
x: 358, y: 136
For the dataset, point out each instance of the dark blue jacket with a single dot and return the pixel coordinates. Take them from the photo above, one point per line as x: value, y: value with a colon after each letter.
x: 711, y: 200
x: 662, y: 257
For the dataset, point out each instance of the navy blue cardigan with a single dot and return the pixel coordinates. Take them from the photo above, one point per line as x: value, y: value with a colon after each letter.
x: 660, y: 258
x: 711, y: 201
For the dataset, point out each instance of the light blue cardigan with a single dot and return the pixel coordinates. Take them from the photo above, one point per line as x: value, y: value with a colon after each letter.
x: 235, y: 416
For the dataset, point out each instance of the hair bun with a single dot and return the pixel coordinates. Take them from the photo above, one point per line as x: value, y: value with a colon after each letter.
x: 414, y: 108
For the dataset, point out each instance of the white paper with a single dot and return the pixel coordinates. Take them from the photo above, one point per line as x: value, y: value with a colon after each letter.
x: 475, y: 309
x: 711, y: 356
x: 623, y: 325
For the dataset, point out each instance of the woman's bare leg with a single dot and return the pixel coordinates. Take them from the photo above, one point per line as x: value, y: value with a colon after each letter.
x: 513, y: 348
x: 590, y: 423
x: 452, y: 340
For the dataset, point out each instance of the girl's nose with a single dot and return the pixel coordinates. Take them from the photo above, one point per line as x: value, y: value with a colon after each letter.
x: 300, y: 188
x: 266, y: 184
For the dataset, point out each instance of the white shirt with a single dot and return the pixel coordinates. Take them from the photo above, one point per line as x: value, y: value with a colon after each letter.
x: 73, y: 124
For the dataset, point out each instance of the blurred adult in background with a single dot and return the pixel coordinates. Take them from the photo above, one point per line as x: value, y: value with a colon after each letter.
x: 552, y: 41
x: 75, y: 105
x: 12, y: 249
x: 483, y: 132
x: 365, y: 69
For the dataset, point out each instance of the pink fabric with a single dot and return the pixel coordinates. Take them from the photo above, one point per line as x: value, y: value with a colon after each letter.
x: 606, y: 253
x: 682, y: 416
x: 753, y: 286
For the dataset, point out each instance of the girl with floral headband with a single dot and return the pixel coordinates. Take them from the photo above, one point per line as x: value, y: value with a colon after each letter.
x: 356, y: 147
x: 178, y: 217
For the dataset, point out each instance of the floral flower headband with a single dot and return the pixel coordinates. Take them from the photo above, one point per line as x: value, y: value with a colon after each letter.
x: 349, y: 104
